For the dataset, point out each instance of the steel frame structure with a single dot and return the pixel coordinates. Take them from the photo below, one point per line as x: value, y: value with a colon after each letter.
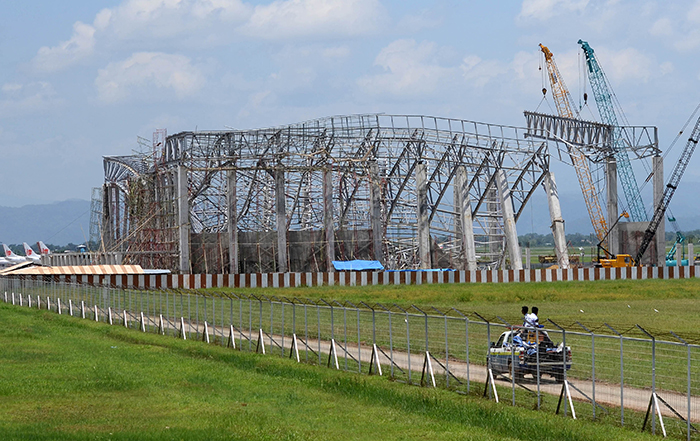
x: 352, y: 153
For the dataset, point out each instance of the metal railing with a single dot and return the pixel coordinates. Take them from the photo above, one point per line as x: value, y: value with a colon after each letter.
x: 630, y: 377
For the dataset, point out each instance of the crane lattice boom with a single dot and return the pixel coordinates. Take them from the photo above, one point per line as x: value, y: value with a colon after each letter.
x: 671, y: 186
x: 603, y: 98
x: 562, y: 100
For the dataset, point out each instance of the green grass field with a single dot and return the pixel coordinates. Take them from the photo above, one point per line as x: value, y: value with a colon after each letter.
x: 72, y: 379
x: 620, y: 303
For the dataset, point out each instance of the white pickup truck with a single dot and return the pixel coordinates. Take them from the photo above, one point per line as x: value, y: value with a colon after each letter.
x: 522, y: 347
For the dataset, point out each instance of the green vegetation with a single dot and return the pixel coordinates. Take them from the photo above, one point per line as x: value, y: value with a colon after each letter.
x: 620, y: 303
x: 72, y: 379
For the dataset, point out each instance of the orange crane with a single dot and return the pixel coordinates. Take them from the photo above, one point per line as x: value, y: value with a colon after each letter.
x: 562, y: 100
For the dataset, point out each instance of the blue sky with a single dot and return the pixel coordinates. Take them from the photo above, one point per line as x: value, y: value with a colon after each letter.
x: 83, y: 79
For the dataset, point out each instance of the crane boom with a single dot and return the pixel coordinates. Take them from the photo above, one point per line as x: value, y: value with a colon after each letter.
x: 671, y: 187
x: 603, y: 99
x: 562, y: 100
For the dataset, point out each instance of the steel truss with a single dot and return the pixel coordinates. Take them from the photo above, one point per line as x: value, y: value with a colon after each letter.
x: 141, y: 219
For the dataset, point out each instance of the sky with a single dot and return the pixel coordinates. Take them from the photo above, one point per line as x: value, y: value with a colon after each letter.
x: 83, y: 79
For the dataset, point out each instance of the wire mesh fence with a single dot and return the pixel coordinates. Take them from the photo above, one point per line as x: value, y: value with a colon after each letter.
x: 631, y: 378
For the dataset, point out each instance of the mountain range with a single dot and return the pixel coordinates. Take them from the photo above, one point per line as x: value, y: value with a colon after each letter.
x: 56, y: 223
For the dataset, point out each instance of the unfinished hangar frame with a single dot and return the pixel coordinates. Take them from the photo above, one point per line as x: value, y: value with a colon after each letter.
x: 413, y: 192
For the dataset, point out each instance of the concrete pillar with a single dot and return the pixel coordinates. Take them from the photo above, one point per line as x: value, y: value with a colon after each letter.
x: 557, y: 226
x: 613, y: 240
x: 328, y: 217
x: 691, y: 254
x: 106, y: 217
x: 658, y: 184
x: 527, y: 258
x: 281, y: 216
x: 516, y: 259
x: 493, y: 231
x: 423, y: 215
x: 464, y: 218
x: 679, y: 255
x: 375, y: 196
x: 183, y: 215
x: 116, y: 215
x: 232, y: 214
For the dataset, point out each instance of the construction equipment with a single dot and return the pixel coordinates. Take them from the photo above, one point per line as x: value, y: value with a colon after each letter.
x: 670, y: 189
x: 680, y: 240
x: 562, y: 100
x: 604, y: 100
x: 614, y: 260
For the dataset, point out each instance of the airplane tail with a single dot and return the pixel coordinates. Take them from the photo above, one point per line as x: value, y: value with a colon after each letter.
x: 8, y: 251
x: 43, y: 249
x: 28, y: 251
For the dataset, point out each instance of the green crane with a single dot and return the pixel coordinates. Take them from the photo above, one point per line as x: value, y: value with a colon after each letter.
x: 604, y: 101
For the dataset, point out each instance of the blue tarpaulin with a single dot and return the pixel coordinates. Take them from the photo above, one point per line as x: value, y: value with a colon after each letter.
x: 357, y: 265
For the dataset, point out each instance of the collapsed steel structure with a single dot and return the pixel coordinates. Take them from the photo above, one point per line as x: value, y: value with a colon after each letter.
x: 414, y: 192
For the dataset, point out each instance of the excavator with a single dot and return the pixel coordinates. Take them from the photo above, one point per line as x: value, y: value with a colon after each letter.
x: 613, y: 260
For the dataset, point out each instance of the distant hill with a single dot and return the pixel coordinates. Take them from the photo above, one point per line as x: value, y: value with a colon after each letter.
x: 57, y: 223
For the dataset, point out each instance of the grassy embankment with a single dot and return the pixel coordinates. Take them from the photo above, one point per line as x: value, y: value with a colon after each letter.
x: 72, y: 379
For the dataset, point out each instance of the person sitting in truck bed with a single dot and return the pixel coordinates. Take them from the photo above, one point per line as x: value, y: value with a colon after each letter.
x: 518, y: 341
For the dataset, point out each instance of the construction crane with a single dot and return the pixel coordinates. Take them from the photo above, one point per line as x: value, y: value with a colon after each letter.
x: 604, y: 100
x: 669, y: 190
x: 680, y: 239
x: 562, y: 100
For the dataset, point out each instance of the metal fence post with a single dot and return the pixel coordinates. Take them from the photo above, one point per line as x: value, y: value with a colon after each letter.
x: 592, y: 365
x: 447, y: 349
x: 466, y: 344
x: 488, y: 345
x: 408, y: 341
x: 687, y: 419
x: 622, y: 377
x: 512, y: 356
x: 391, y: 339
x: 359, y: 337
x: 653, y: 376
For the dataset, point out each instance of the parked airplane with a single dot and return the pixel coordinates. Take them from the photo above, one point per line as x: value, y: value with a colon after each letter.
x: 43, y: 249
x: 12, y: 257
x: 31, y: 255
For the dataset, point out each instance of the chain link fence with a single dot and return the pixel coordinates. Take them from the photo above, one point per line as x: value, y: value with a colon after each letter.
x: 627, y: 377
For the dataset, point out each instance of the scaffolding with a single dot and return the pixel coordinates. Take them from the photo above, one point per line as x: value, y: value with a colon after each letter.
x: 414, y: 192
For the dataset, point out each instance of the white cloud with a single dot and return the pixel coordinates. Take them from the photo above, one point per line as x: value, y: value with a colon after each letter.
x: 79, y: 46
x: 666, y: 68
x: 626, y: 65
x: 546, y: 9
x: 169, y: 18
x: 662, y: 27
x: 21, y: 99
x: 203, y: 23
x: 479, y: 72
x: 301, y: 18
x: 410, y: 69
x: 146, y: 72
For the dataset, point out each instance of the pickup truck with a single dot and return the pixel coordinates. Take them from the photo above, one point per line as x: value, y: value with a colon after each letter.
x: 525, y: 354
